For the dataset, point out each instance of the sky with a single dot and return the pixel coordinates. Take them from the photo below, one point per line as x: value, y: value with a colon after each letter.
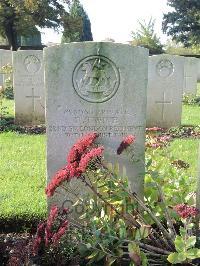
x: 117, y: 18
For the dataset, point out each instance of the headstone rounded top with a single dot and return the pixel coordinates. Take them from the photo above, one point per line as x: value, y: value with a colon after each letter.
x: 165, y: 68
x: 96, y: 79
x: 32, y: 64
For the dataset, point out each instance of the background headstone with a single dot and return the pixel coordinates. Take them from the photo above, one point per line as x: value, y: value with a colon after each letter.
x: 96, y: 87
x: 5, y: 59
x: 190, y: 75
x: 165, y: 89
x: 198, y: 70
x: 29, y: 90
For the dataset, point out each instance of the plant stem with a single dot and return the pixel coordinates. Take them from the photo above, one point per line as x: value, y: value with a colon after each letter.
x: 168, y: 218
x: 145, y: 208
x: 135, y: 223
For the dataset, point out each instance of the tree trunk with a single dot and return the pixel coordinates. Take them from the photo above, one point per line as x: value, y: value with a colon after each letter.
x: 11, y: 36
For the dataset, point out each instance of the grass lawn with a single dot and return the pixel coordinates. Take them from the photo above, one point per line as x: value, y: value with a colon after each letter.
x: 191, y: 115
x: 22, y: 166
x: 186, y: 150
x: 22, y: 175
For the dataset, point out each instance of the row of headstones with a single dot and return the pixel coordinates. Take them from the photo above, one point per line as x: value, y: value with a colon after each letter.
x: 168, y: 78
x: 99, y: 87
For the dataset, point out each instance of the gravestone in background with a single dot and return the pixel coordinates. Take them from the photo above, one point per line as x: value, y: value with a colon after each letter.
x: 190, y: 75
x: 198, y: 69
x: 97, y: 87
x: 29, y: 87
x: 5, y: 59
x: 165, y: 89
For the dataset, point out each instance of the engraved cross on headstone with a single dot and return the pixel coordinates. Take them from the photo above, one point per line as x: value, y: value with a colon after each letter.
x: 33, y: 97
x: 163, y: 102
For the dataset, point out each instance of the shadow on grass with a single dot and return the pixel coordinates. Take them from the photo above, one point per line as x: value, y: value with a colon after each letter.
x: 19, y: 225
x: 7, y: 124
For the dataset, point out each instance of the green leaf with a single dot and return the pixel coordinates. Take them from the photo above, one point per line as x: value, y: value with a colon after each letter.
x: 111, y: 261
x: 132, y: 247
x: 100, y: 256
x: 190, y: 226
x: 179, y: 244
x: 88, y: 246
x: 182, y: 231
x: 190, y: 242
x: 93, y: 254
x: 82, y: 249
x: 175, y: 257
x: 142, y: 232
x: 193, y: 253
x: 149, y: 163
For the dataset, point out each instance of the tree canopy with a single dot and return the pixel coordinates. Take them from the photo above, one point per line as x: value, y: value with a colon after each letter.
x: 77, y: 26
x: 145, y: 36
x: 183, y: 24
x: 18, y: 17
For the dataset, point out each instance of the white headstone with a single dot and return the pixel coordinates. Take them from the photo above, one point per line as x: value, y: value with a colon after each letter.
x: 190, y: 76
x: 165, y: 89
x: 96, y: 87
x: 198, y: 69
x: 29, y: 87
x: 5, y: 59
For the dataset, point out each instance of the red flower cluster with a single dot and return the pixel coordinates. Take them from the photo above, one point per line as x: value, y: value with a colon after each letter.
x: 127, y: 141
x: 85, y: 160
x: 62, y: 229
x: 80, y: 147
x: 44, y: 231
x: 186, y: 211
x: 77, y: 161
x: 39, y: 238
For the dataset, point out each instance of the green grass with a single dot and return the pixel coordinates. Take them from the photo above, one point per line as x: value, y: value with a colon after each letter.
x: 190, y: 115
x: 186, y: 150
x: 22, y: 175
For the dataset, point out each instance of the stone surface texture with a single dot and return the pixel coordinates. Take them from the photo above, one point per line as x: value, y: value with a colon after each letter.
x: 190, y: 75
x: 198, y: 70
x: 165, y: 90
x: 97, y: 87
x: 29, y: 93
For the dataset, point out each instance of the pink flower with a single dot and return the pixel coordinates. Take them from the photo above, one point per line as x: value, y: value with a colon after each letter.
x: 56, y: 237
x: 88, y: 157
x: 72, y: 169
x: 52, y: 216
x: 185, y: 211
x: 164, y: 138
x: 153, y: 129
x: 80, y: 147
x: 127, y: 141
x: 61, y: 176
x: 38, y: 238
